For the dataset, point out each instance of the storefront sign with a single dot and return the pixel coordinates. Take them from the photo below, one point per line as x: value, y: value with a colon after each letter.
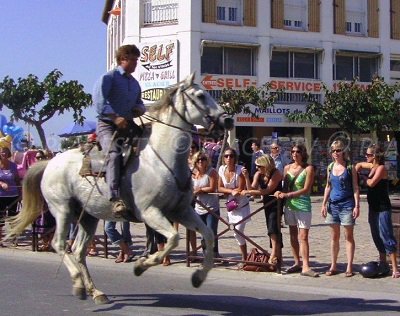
x: 220, y: 82
x: 157, y: 68
x: 362, y: 85
x: 295, y: 85
x: 271, y: 116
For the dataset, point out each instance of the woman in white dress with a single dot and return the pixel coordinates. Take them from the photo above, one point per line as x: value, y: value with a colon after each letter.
x: 231, y: 182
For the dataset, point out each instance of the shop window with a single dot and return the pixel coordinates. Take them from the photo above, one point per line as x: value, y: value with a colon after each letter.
x: 294, y: 65
x: 295, y: 14
x: 356, y: 17
x: 349, y: 67
x: 229, y: 11
x: 228, y: 61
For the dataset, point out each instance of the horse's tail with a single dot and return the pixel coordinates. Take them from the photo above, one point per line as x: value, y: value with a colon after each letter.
x: 32, y: 203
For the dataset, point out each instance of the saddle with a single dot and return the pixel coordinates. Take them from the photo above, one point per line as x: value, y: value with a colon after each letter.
x: 94, y: 159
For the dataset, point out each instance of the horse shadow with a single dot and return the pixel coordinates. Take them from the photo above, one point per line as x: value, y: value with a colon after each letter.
x: 246, y: 305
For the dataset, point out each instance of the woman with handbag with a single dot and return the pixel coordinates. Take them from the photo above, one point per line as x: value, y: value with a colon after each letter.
x: 231, y: 182
x: 266, y: 181
x: 341, y: 205
x: 298, y: 180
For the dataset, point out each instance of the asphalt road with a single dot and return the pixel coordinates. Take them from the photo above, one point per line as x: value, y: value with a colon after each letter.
x: 30, y: 285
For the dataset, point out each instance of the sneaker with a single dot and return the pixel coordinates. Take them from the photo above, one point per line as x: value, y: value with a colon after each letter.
x: 119, y: 208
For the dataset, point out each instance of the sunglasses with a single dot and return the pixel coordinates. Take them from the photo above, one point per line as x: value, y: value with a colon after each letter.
x: 229, y: 156
x: 296, y: 151
x: 274, y: 147
x: 336, y: 150
x: 201, y: 159
x: 369, y: 155
x: 258, y: 166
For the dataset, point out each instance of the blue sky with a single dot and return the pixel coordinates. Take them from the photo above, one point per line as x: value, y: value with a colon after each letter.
x: 40, y: 35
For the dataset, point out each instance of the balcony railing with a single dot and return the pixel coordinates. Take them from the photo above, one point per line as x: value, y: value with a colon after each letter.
x: 160, y: 12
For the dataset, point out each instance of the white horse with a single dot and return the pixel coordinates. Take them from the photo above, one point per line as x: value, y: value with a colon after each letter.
x: 156, y: 185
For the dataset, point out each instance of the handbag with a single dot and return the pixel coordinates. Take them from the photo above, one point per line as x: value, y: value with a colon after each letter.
x: 258, y: 257
x: 232, y: 205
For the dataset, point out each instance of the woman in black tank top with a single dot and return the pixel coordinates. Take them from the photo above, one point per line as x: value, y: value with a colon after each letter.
x: 380, y: 210
x: 267, y: 180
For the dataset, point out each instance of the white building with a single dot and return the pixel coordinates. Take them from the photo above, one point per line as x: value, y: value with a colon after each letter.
x: 294, y: 44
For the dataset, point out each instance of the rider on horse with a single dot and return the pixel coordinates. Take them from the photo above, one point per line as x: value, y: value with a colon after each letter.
x: 117, y: 96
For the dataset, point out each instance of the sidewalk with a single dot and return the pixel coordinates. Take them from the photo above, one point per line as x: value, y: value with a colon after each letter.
x: 319, y: 239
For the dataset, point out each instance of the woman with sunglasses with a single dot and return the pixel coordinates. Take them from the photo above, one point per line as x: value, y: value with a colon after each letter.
x: 298, y: 180
x: 231, y: 182
x: 205, y: 182
x: 380, y: 209
x: 341, y: 205
x: 266, y: 181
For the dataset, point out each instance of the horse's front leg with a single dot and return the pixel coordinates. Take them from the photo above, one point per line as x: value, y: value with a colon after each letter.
x: 192, y: 221
x: 86, y: 232
x: 154, y: 218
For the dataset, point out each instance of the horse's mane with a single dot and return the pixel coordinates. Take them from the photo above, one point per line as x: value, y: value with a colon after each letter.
x: 166, y: 100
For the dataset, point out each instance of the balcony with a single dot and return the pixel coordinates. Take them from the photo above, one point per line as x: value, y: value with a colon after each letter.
x: 160, y: 12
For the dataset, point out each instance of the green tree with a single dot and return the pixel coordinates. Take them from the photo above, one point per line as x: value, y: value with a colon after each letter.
x: 36, y: 102
x: 353, y: 108
x: 238, y: 101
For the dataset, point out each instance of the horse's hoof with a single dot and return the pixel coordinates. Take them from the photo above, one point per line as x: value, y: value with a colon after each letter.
x: 197, y: 279
x: 79, y: 292
x: 101, y: 299
x: 138, y: 270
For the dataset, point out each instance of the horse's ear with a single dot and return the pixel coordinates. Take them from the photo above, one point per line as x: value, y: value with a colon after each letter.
x: 190, y: 79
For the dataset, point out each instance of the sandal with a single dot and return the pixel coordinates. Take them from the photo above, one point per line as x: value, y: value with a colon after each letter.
x: 273, y: 260
x: 92, y: 253
x: 348, y: 274
x: 331, y: 272
x: 396, y: 275
x: 310, y: 273
x: 120, y: 258
x: 166, y: 261
x: 293, y: 269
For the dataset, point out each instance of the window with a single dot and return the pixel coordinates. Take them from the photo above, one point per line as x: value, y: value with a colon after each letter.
x: 295, y: 14
x: 228, y: 60
x: 364, y: 67
x: 229, y: 11
x: 356, y: 17
x: 294, y: 65
x: 395, y: 69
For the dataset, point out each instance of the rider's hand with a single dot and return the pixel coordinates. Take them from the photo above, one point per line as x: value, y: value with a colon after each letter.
x: 120, y: 122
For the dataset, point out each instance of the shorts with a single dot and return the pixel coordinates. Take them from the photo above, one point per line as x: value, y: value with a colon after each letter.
x: 297, y: 218
x: 340, y: 215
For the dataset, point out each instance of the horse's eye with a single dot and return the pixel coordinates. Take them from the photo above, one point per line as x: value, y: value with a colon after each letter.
x: 200, y: 94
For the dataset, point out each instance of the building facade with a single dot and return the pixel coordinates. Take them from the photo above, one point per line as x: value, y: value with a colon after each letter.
x: 294, y: 44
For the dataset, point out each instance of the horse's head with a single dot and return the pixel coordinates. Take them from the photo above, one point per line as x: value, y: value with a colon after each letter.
x: 200, y: 108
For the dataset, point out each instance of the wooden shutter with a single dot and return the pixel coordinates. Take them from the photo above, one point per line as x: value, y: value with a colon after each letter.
x: 340, y: 16
x: 250, y: 15
x: 277, y: 7
x: 395, y: 19
x: 373, y: 18
x: 209, y: 8
x: 314, y: 7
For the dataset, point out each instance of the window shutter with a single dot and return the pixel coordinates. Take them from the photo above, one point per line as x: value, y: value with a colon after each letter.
x: 277, y: 14
x: 340, y: 16
x: 209, y: 11
x: 250, y: 15
x: 395, y: 19
x: 314, y: 7
x: 373, y: 18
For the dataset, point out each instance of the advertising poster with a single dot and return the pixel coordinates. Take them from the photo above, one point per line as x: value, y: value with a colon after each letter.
x: 157, y: 68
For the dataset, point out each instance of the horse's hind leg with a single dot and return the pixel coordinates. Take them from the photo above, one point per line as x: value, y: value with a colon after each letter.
x: 192, y: 221
x: 156, y: 220
x: 63, y: 220
x: 87, y: 229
